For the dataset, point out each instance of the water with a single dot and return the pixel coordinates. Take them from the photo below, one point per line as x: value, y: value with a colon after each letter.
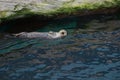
x: 85, y: 54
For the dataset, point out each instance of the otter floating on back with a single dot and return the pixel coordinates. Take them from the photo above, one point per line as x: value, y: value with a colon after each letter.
x: 45, y: 35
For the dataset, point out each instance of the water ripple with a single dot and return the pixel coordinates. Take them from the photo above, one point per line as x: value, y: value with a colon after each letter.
x: 94, y: 56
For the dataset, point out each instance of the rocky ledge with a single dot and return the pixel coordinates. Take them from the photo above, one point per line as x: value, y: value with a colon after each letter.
x: 31, y: 15
x: 10, y: 9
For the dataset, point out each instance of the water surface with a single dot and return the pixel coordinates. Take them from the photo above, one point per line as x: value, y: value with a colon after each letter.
x: 85, y: 54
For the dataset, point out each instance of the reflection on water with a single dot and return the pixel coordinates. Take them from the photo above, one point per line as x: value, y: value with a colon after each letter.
x: 82, y: 55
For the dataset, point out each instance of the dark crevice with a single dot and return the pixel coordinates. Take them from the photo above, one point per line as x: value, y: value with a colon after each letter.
x: 35, y: 22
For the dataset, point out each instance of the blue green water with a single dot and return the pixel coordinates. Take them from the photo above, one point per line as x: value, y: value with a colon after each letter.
x: 85, y: 54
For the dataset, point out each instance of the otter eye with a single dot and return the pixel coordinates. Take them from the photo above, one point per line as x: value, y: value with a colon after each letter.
x: 62, y: 33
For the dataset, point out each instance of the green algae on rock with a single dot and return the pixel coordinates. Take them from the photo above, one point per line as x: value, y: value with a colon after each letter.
x: 10, y: 9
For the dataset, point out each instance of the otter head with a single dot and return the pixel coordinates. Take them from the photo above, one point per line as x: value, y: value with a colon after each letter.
x: 63, y: 33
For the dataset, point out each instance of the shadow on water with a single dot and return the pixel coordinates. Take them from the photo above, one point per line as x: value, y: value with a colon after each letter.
x: 91, y: 53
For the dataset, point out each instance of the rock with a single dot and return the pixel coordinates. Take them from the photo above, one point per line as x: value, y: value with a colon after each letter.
x: 10, y: 9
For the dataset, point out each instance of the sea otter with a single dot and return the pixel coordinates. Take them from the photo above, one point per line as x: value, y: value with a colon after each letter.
x: 47, y: 35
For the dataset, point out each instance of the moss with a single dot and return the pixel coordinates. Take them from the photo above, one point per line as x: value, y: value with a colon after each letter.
x: 2, y: 13
x: 67, y: 8
x: 20, y: 13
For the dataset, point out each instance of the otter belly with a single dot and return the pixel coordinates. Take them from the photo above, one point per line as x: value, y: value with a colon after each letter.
x: 34, y: 35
